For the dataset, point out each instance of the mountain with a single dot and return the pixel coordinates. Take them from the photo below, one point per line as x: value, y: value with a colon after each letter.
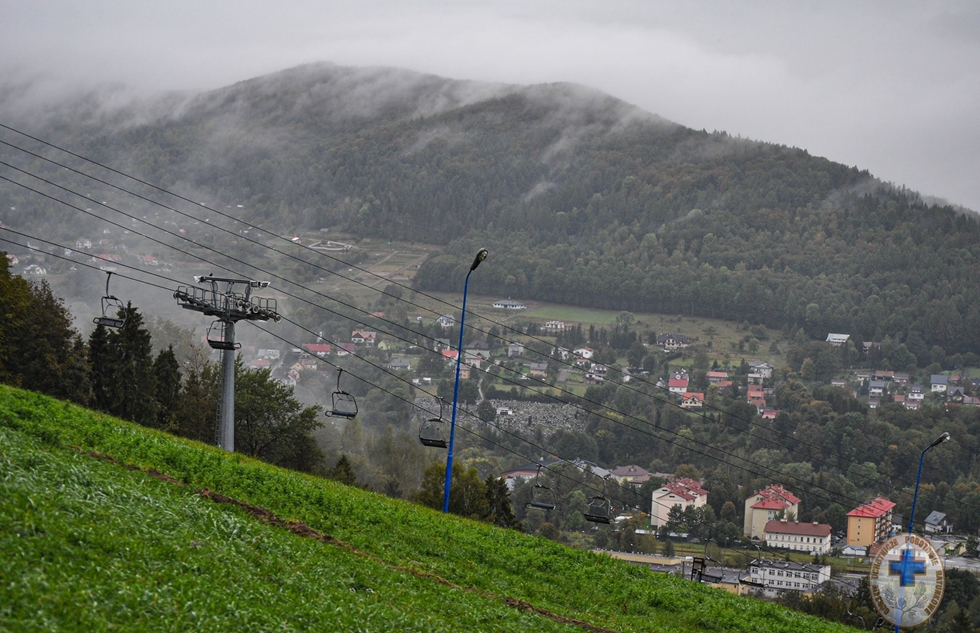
x: 581, y: 198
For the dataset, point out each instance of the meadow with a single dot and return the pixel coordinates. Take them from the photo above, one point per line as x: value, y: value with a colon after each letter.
x: 105, y: 525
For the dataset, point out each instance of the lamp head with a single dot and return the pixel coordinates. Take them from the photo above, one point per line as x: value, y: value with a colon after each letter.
x: 942, y: 438
x: 480, y: 256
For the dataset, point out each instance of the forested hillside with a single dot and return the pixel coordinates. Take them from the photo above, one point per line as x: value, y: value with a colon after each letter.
x: 581, y: 198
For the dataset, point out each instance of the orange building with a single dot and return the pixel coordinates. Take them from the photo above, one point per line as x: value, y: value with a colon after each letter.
x: 870, y: 523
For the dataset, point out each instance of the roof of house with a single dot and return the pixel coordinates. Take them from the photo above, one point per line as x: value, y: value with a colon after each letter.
x: 938, y: 379
x: 678, y: 491
x: 691, y: 484
x: 677, y: 382
x: 632, y: 470
x: 875, y: 508
x: 935, y: 518
x: 694, y: 395
x: 680, y: 338
x: 797, y: 528
x: 780, y: 495
x: 317, y: 348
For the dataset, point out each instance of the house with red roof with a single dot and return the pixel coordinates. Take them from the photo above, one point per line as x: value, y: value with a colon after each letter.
x: 677, y: 385
x: 714, y: 377
x: 682, y: 493
x: 317, y: 349
x: 365, y: 337
x: 812, y: 538
x: 774, y: 502
x: 692, y: 400
x: 870, y: 523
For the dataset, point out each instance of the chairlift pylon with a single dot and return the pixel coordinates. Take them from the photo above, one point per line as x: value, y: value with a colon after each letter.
x: 433, y: 431
x: 542, y: 497
x: 599, y: 510
x: 343, y: 404
x: 111, y: 304
x: 218, y: 336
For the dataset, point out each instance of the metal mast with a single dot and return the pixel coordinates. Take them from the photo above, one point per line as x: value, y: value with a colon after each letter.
x: 229, y: 307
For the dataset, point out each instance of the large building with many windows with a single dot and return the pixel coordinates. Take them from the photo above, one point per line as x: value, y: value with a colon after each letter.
x: 774, y: 502
x: 813, y: 538
x: 679, y: 493
x: 775, y: 576
x: 870, y: 522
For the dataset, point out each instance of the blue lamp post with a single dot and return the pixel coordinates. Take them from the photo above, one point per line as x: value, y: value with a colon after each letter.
x: 480, y: 256
x: 908, y: 561
x: 915, y: 496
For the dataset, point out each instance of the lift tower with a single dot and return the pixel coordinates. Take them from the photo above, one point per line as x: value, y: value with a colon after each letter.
x: 229, y: 307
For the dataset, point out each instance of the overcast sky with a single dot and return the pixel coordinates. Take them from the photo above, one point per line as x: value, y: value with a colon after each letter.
x: 892, y: 87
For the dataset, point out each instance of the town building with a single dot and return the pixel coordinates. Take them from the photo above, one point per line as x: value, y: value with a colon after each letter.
x: 870, y: 522
x: 776, y: 576
x: 774, y: 502
x: 813, y: 538
x: 680, y: 493
x: 671, y: 342
x: 938, y: 523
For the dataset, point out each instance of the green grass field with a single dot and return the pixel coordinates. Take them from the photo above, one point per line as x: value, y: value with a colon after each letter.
x: 108, y: 526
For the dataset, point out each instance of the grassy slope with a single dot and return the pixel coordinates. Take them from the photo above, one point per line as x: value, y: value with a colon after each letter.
x: 87, y: 544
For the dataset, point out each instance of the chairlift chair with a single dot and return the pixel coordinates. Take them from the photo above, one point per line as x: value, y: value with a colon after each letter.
x: 433, y: 431
x: 111, y: 305
x: 542, y: 497
x: 218, y: 337
x: 599, y: 510
x: 343, y: 404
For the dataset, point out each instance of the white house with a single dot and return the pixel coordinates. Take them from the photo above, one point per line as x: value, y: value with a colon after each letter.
x: 762, y: 368
x: 507, y: 304
x: 837, y: 339
x: 938, y: 523
x: 775, y: 576
x: 446, y: 321
x: 680, y: 493
x: 670, y: 342
x: 763, y: 507
x: 813, y: 538
x: 939, y: 383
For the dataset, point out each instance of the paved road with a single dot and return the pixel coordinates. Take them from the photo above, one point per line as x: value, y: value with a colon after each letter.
x: 958, y: 562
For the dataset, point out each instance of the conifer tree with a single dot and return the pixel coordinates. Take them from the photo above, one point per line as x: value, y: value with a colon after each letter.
x: 166, y: 370
x: 500, y: 511
x: 124, y: 369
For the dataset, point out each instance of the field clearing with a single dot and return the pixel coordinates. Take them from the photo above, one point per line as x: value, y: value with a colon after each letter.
x: 395, y: 262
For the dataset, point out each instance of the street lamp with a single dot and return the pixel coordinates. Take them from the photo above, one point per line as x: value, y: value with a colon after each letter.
x: 480, y: 256
x: 907, y: 554
x: 942, y: 438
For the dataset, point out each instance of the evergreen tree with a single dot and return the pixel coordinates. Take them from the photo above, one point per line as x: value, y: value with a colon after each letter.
x: 102, y: 367
x: 343, y: 471
x: 500, y: 511
x: 167, y: 372
x: 39, y: 348
x: 122, y: 368
x: 197, y: 409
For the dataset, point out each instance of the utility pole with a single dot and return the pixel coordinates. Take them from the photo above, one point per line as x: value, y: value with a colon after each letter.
x: 228, y: 307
